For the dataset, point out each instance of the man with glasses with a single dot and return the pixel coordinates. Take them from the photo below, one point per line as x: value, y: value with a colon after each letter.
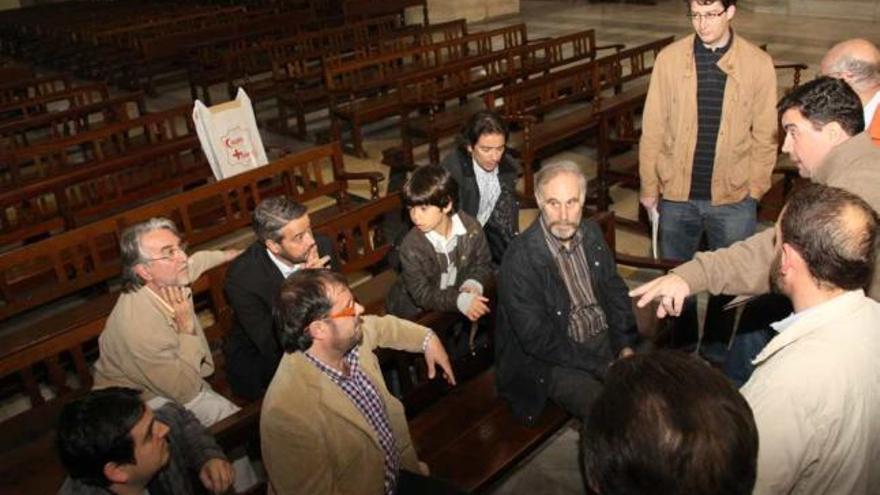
x: 285, y: 243
x: 708, y: 142
x: 153, y: 340
x: 329, y: 423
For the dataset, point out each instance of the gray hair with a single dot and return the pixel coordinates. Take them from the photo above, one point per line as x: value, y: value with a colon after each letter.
x: 272, y: 214
x: 863, y: 72
x: 130, y: 249
x: 552, y: 170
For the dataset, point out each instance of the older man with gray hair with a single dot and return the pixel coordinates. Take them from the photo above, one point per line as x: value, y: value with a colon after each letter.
x: 563, y: 311
x: 153, y: 340
x: 285, y: 243
x: 857, y: 61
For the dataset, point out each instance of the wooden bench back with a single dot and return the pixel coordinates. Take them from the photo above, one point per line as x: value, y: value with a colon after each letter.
x: 42, y: 161
x: 26, y: 89
x: 76, y: 119
x: 559, y: 51
x: 363, y: 9
x: 357, y: 77
x: 82, y: 257
x: 58, y: 100
x: 359, y: 239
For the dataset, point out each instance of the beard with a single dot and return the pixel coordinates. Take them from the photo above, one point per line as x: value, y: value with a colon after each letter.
x: 344, y: 345
x: 563, y: 231
x: 775, y: 275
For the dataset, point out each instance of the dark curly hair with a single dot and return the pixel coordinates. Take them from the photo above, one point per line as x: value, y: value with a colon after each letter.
x: 824, y: 100
x: 303, y: 299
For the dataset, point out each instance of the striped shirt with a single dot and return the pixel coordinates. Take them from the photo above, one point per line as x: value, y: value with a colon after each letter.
x: 710, y: 100
x: 358, y: 387
x: 587, y: 323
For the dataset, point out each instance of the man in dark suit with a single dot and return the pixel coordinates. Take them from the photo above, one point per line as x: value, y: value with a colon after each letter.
x: 285, y: 243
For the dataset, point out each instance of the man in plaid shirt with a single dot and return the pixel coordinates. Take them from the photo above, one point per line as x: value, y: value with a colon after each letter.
x: 329, y: 423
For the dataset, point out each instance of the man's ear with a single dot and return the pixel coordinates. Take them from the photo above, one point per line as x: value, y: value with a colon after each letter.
x: 790, y: 258
x: 115, y: 473
x: 142, y: 272
x: 317, y: 329
x: 273, y: 247
x: 835, y: 133
x: 730, y: 12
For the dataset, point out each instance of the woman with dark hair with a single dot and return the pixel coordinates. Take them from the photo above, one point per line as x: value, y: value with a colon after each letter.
x: 486, y: 175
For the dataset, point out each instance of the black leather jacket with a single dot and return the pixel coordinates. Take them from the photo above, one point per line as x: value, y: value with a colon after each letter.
x: 533, y: 313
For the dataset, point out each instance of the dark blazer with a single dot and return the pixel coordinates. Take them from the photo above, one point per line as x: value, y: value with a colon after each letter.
x: 252, y: 349
x: 533, y: 311
x: 504, y: 223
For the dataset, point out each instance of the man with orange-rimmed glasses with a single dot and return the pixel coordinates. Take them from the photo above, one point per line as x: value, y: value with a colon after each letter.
x: 329, y: 423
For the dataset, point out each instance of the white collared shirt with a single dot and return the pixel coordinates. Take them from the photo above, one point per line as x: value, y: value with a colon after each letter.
x: 871, y: 108
x: 490, y: 188
x: 285, y: 269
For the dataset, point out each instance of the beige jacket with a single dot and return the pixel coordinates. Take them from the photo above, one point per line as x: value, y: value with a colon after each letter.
x: 745, y: 152
x: 140, y: 347
x: 744, y: 267
x: 815, y: 394
x: 315, y: 440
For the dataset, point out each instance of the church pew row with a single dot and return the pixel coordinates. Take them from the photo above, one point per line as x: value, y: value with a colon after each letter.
x: 353, y: 10
x: 25, y: 89
x: 358, y: 89
x: 75, y: 118
x: 63, y: 183
x: 427, y: 101
x: 299, y: 73
x: 24, y: 107
x: 527, y: 102
x: 87, y: 256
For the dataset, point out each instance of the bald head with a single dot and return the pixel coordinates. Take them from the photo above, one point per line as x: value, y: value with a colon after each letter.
x: 835, y: 233
x: 857, y: 61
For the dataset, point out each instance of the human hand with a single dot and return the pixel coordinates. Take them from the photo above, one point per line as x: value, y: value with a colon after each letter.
x: 180, y: 300
x: 479, y: 307
x: 313, y: 261
x: 217, y: 475
x: 649, y: 202
x: 435, y: 355
x: 671, y: 289
x: 625, y: 353
x: 232, y: 253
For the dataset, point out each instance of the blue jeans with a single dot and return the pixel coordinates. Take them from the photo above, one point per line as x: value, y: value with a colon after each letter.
x: 682, y: 225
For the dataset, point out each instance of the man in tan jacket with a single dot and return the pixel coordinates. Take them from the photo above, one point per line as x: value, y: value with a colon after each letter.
x: 815, y: 392
x: 823, y: 123
x: 152, y: 340
x: 329, y: 425
x: 708, y: 142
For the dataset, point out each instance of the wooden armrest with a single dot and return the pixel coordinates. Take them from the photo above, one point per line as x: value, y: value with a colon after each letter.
x: 616, y: 46
x: 796, y: 66
x: 661, y: 264
x: 373, y: 177
x: 237, y: 429
x: 539, y: 40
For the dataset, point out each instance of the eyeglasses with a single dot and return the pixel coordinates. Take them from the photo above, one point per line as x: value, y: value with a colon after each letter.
x: 707, y: 16
x: 171, y: 253
x: 346, y: 312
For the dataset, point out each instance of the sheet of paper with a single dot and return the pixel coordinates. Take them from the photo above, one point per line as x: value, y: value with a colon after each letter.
x: 654, y: 216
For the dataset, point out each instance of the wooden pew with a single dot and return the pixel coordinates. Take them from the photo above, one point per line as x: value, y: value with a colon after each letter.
x: 361, y: 9
x: 305, y: 69
x: 25, y: 89
x: 356, y: 88
x: 258, y: 68
x: 426, y: 113
x: 526, y: 102
x: 28, y: 107
x: 83, y: 257
x: 72, y: 120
